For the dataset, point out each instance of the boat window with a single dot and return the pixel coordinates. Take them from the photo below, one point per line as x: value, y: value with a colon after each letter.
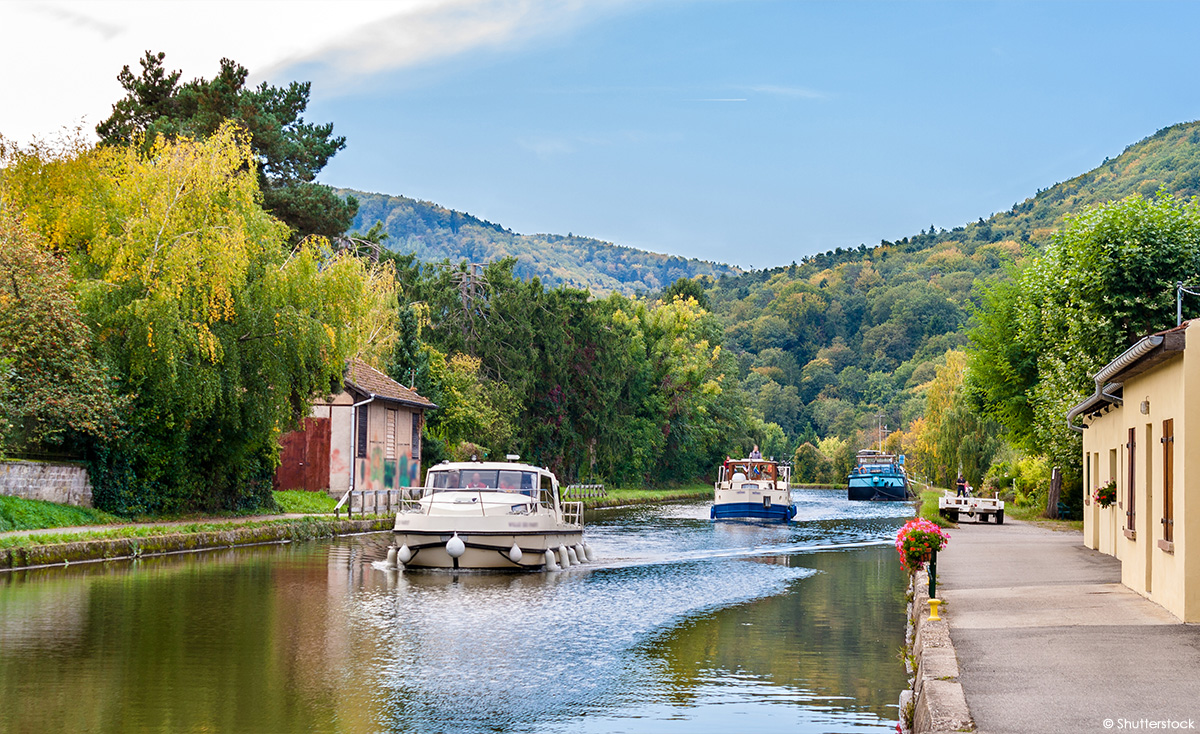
x: 504, y: 480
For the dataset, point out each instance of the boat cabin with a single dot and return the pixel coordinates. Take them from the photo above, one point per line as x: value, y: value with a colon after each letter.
x: 752, y: 470
x: 871, y: 461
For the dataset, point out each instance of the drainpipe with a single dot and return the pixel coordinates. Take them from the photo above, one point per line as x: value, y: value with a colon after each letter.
x: 354, y: 440
x: 1128, y: 357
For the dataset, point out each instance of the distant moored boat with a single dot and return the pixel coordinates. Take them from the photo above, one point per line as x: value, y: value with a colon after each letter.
x: 878, y: 476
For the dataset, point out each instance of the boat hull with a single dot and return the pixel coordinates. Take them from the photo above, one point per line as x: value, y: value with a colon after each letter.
x: 878, y: 489
x: 752, y: 511
x: 484, y: 551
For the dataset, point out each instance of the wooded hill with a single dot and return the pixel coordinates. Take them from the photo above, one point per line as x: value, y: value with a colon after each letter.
x: 433, y: 233
x: 847, y: 335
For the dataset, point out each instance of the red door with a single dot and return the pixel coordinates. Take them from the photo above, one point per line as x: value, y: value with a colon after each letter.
x: 304, y: 460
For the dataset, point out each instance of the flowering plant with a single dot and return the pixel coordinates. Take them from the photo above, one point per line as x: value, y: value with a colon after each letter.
x: 917, y: 540
x: 1106, y: 494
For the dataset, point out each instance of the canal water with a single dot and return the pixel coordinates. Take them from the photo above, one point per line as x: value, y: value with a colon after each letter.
x: 681, y: 625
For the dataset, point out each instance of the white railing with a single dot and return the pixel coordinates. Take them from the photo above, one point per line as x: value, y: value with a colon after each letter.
x: 584, y: 491
x: 382, y: 501
x: 572, y: 513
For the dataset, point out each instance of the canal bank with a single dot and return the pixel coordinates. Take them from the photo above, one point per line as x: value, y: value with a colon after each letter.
x: 111, y: 542
x: 136, y: 541
x: 1041, y: 636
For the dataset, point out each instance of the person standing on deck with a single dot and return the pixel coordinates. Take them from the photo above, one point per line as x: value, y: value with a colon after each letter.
x: 960, y: 486
x: 755, y: 454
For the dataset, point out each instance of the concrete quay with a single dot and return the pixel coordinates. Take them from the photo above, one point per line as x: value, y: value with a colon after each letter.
x: 1045, y: 638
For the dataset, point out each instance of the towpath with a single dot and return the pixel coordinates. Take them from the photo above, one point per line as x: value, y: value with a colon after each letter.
x: 1049, y: 640
x: 239, y: 519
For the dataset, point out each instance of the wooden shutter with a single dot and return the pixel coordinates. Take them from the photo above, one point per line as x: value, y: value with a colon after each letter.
x: 390, y: 445
x: 1131, y: 491
x: 1168, y: 442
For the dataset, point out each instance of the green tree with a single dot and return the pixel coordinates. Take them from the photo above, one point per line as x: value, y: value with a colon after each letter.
x: 216, y: 330
x: 290, y: 152
x: 53, y: 392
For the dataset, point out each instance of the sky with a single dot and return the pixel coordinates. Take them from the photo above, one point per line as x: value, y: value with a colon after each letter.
x: 751, y: 132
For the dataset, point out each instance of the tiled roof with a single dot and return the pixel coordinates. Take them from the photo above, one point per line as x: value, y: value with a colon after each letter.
x: 365, y: 378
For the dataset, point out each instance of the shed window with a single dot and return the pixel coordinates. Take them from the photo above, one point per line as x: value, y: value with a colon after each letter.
x: 415, y: 446
x: 361, y: 430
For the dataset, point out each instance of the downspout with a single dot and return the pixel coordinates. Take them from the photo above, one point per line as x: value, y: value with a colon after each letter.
x: 354, y: 439
x: 1128, y: 357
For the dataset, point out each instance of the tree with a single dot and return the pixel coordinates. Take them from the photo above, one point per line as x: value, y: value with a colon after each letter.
x: 53, y: 392
x: 217, y: 331
x: 290, y: 152
x: 1107, y: 279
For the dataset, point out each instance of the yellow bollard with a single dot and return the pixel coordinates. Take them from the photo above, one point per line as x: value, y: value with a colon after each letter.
x: 933, y: 609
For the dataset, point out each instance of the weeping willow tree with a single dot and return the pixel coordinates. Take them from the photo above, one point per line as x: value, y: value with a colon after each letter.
x: 218, y: 331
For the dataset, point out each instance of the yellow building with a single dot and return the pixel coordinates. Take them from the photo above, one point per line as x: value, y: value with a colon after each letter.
x: 1135, y: 434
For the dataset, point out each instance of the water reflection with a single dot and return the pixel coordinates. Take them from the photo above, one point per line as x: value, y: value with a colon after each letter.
x: 684, y: 626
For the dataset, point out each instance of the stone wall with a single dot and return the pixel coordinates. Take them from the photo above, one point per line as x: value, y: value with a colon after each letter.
x: 937, y: 699
x: 66, y: 484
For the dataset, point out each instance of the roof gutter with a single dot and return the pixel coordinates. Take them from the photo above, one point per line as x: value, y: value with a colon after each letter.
x: 1115, y: 367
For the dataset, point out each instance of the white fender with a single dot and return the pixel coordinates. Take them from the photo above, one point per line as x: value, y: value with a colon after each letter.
x: 573, y: 556
x: 404, y: 555
x: 587, y: 551
x: 514, y: 554
x: 563, y: 558
x: 551, y: 563
x: 579, y: 551
x: 455, y: 547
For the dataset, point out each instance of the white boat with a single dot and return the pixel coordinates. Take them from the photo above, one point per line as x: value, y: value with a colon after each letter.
x: 753, y: 489
x: 490, y: 515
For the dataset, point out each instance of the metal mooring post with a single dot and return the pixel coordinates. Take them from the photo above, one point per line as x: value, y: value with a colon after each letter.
x: 933, y: 575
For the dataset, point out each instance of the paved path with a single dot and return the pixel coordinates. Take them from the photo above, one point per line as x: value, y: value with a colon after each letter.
x: 1048, y: 640
x: 175, y: 523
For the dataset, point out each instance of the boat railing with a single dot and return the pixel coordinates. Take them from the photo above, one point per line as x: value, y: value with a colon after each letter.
x: 572, y: 514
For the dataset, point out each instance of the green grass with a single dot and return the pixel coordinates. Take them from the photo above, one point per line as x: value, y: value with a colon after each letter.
x: 22, y: 514
x: 1033, y: 514
x: 150, y: 530
x: 300, y: 501
x: 929, y: 508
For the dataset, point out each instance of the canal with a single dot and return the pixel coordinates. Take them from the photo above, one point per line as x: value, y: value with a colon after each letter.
x: 681, y: 625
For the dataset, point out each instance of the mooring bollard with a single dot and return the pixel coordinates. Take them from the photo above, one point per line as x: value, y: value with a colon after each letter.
x: 933, y: 609
x: 933, y: 577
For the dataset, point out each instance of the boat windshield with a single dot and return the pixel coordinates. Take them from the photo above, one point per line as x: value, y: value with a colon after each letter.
x: 751, y: 469
x: 503, y: 480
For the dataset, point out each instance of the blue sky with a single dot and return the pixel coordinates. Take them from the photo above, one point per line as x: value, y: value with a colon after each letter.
x: 751, y: 132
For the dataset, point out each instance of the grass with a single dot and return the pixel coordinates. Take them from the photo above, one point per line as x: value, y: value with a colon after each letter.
x: 697, y: 490
x: 299, y: 501
x: 22, y: 514
x: 929, y: 508
x: 150, y: 530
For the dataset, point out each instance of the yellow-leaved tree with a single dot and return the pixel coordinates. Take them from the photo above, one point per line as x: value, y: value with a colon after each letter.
x: 217, y: 330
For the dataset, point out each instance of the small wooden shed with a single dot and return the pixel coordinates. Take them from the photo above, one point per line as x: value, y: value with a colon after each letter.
x: 369, y: 434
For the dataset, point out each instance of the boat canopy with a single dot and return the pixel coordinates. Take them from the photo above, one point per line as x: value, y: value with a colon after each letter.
x: 454, y: 478
x: 751, y: 468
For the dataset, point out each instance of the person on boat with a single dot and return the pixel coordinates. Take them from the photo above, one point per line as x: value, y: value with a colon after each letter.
x: 506, y: 484
x: 960, y: 486
x: 755, y: 453
x: 476, y: 482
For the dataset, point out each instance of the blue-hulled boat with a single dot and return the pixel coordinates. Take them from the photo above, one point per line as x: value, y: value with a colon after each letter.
x: 879, y: 476
x: 753, y: 489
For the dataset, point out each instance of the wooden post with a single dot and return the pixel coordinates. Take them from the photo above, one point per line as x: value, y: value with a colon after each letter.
x: 1055, y: 491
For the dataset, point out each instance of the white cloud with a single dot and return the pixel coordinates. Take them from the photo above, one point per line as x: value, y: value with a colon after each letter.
x: 61, y: 59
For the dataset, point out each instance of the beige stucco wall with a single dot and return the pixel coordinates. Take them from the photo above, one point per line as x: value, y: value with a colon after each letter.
x: 1171, y: 579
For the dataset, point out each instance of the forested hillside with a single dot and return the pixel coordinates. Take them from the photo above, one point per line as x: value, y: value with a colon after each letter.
x: 433, y: 233
x: 830, y: 344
